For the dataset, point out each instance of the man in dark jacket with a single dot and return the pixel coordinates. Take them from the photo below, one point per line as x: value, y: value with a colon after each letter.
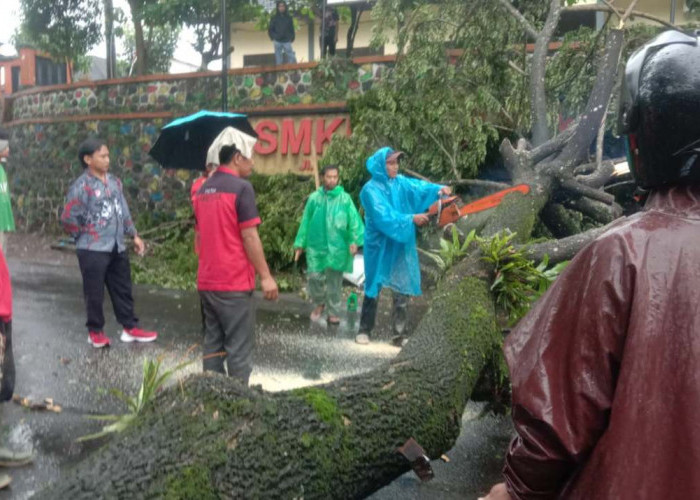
x: 604, y: 369
x: 281, y: 32
x: 329, y: 32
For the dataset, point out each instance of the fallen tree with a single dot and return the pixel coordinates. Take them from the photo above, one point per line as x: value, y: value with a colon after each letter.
x: 213, y: 438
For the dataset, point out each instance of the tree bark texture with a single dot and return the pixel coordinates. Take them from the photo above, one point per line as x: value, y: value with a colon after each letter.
x: 540, y: 127
x: 139, y: 40
x: 109, y: 39
x: 355, y: 13
x: 216, y: 439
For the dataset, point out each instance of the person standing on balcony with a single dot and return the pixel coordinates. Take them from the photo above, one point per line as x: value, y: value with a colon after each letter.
x: 281, y: 32
x: 329, y: 37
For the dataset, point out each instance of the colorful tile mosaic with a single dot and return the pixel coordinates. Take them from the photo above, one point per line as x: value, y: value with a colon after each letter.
x: 43, y: 162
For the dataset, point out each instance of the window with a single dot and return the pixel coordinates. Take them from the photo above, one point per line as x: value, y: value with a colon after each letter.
x: 259, y: 60
x: 571, y: 21
x: 49, y: 72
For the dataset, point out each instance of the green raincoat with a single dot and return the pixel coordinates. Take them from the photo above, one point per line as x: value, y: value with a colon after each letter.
x: 329, y: 226
x: 7, y: 220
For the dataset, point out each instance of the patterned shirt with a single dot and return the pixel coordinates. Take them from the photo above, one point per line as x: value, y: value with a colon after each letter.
x: 96, y: 214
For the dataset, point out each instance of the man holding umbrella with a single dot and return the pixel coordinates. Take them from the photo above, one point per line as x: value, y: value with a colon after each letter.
x: 230, y: 251
x: 229, y: 256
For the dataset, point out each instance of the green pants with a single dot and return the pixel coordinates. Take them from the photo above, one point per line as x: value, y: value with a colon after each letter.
x: 326, y: 288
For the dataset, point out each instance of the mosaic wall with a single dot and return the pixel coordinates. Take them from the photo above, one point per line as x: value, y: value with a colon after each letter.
x: 303, y: 86
x: 44, y: 162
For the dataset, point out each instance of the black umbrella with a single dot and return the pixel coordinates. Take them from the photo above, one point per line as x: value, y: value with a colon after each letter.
x: 183, y: 143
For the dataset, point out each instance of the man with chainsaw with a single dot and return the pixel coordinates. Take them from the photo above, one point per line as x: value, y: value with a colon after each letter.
x: 394, y: 205
x: 604, y: 369
x: 330, y: 232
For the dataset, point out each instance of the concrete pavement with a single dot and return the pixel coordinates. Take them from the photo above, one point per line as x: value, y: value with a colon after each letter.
x: 54, y: 360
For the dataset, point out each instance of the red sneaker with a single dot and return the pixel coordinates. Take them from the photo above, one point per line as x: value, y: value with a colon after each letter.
x: 98, y: 339
x: 137, y: 334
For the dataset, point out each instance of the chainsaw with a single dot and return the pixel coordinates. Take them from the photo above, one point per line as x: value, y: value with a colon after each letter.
x: 450, y: 209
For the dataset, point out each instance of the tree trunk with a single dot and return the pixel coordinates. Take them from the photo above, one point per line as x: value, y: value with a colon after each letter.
x: 217, y: 439
x: 540, y: 127
x: 109, y: 38
x: 141, y: 52
x: 355, y: 13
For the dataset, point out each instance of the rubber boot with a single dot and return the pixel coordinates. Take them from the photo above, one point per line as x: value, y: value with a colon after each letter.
x: 367, y: 319
x: 399, y: 318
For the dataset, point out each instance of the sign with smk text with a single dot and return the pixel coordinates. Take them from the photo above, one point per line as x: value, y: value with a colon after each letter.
x: 289, y: 144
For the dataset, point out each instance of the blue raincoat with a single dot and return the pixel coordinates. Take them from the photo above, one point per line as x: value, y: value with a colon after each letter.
x: 390, y: 254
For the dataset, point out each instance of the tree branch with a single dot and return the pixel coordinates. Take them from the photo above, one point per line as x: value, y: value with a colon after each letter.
x: 553, y: 145
x: 627, y: 13
x: 562, y: 249
x: 517, y: 68
x: 453, y: 159
x: 577, y: 148
x: 515, y: 160
x: 578, y: 189
x: 605, y: 8
x: 538, y: 97
x: 597, y: 176
x: 559, y: 220
x: 599, y: 139
x: 615, y: 11
x: 529, y: 28
x: 596, y: 210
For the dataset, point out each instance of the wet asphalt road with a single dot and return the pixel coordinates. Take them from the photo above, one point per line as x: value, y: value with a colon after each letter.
x: 54, y: 360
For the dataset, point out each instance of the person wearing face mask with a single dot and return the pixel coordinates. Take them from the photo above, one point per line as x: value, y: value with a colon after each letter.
x: 394, y: 205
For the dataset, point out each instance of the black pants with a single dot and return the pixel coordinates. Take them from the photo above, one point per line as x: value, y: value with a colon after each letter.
x: 229, y: 328
x: 7, y: 386
x: 398, y: 314
x: 111, y: 269
x: 328, y: 45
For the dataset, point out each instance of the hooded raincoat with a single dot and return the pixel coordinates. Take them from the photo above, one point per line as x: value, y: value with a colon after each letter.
x: 390, y: 254
x: 605, y: 369
x: 329, y: 226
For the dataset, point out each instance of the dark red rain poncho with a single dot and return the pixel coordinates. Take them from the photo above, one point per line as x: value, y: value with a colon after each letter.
x: 606, y: 367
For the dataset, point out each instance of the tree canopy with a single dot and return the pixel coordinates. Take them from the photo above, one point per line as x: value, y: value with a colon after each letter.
x: 204, y: 18
x: 64, y: 29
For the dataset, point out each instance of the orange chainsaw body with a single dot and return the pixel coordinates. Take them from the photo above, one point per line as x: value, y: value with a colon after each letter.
x: 448, y: 210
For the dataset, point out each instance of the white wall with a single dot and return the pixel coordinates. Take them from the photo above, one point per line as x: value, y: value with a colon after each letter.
x: 657, y: 8
x: 246, y: 40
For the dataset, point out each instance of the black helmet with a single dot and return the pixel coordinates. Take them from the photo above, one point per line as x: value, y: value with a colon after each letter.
x: 660, y: 111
